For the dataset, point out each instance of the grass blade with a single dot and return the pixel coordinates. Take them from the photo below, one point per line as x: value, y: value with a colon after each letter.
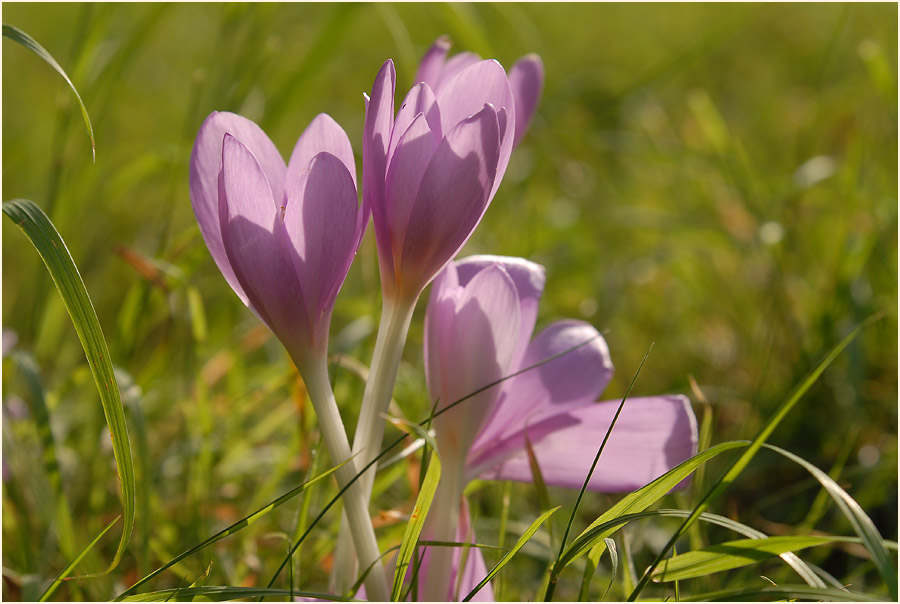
x: 781, y: 592
x: 47, y: 241
x: 71, y: 565
x: 17, y: 35
x: 733, y: 554
x: 859, y: 520
x: 230, y: 530
x: 515, y: 549
x: 415, y: 524
x: 222, y: 593
x: 738, y: 466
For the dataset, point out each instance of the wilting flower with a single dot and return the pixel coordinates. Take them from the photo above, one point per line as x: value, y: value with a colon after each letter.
x: 478, y: 330
x: 283, y: 236
x: 430, y: 172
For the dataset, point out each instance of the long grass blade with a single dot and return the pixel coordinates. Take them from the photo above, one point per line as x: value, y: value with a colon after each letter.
x: 17, y: 35
x: 734, y: 554
x: 744, y: 459
x: 782, y: 592
x: 71, y: 565
x: 526, y: 536
x: 859, y: 520
x: 222, y: 593
x: 416, y: 523
x: 47, y: 241
x: 230, y: 530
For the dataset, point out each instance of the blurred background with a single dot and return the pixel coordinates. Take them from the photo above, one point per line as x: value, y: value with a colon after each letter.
x: 719, y: 181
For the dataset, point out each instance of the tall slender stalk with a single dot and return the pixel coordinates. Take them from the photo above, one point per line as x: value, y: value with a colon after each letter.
x: 315, y: 374
x: 395, y: 318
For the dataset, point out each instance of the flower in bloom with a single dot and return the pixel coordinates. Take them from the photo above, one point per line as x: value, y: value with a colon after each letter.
x: 478, y: 330
x: 430, y: 171
x: 283, y: 236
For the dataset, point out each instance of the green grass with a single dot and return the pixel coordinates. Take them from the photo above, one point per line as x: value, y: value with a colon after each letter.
x: 718, y: 181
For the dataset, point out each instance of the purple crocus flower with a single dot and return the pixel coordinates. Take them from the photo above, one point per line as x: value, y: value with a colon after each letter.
x: 430, y: 172
x: 283, y: 236
x: 478, y: 329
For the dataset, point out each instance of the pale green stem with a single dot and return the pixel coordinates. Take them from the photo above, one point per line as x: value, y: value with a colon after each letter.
x: 315, y: 374
x: 395, y: 318
x: 441, y: 525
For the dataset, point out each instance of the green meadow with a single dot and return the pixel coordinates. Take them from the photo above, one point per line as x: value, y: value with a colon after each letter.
x: 714, y: 184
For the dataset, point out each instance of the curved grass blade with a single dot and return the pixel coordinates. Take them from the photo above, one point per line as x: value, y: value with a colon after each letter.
x: 782, y: 592
x: 638, y: 501
x: 416, y: 523
x: 515, y: 549
x: 738, y: 466
x: 47, y: 241
x: 590, y: 568
x: 17, y: 35
x: 735, y: 554
x: 223, y: 593
x: 859, y: 520
x: 240, y: 524
x: 71, y: 565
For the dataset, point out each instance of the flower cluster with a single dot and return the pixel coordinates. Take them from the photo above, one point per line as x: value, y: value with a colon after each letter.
x: 284, y: 237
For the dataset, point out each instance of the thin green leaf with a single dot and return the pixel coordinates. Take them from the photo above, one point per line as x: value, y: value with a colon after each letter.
x: 416, y: 523
x: 221, y: 593
x: 240, y: 524
x: 782, y: 592
x: 45, y: 238
x: 733, y: 554
x: 638, y: 501
x: 859, y: 520
x: 71, y: 565
x: 744, y: 459
x: 17, y: 35
x: 526, y: 536
x: 537, y: 477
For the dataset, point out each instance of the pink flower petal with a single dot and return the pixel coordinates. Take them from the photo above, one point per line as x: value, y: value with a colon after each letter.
x: 452, y: 198
x: 376, y: 137
x: 321, y: 220
x: 206, y: 162
x: 322, y: 134
x: 572, y: 380
x: 526, y: 79
x: 256, y: 243
x: 420, y: 99
x: 651, y: 436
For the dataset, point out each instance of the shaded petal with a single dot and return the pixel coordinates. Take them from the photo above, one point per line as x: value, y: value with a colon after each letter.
x: 322, y: 226
x: 322, y: 134
x: 476, y: 341
x: 441, y: 307
x: 526, y: 79
x: 206, y: 162
x: 451, y: 200
x: 420, y: 99
x: 454, y: 65
x: 255, y: 243
x: 465, y: 94
x: 432, y: 63
x: 379, y: 123
x: 404, y: 176
x: 572, y: 380
x: 651, y: 436
x: 529, y: 278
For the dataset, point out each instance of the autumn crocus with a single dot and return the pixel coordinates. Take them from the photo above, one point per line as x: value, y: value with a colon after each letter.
x: 284, y: 238
x: 429, y: 173
x: 479, y: 323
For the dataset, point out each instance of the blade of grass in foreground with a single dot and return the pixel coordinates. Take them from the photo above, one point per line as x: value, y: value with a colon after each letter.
x: 222, y: 593
x: 509, y: 555
x: 240, y: 524
x: 47, y: 241
x: 71, y: 565
x: 17, y: 35
x: 782, y: 592
x: 738, y: 466
x: 735, y: 554
x: 416, y: 523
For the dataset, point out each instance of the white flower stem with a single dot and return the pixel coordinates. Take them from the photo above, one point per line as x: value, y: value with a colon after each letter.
x: 395, y: 318
x: 315, y: 374
x: 441, y: 525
